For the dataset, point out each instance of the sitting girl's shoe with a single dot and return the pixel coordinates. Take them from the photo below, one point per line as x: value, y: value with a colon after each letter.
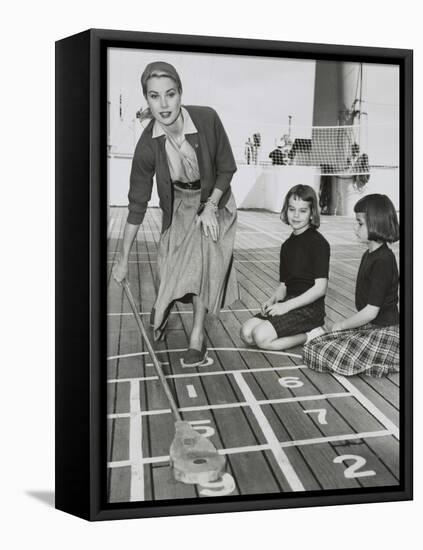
x: 194, y: 357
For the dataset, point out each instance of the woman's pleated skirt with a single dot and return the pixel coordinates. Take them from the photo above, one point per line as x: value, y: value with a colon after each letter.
x: 191, y: 264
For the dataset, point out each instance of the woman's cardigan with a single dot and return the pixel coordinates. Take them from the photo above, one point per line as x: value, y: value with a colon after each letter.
x: 215, y: 161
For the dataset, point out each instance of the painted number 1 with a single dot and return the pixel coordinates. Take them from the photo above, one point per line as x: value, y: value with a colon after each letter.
x: 352, y: 470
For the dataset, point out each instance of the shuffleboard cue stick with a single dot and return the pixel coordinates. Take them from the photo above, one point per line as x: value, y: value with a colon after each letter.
x: 193, y: 457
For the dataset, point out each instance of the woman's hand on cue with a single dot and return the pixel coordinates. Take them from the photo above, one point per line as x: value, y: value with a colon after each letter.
x: 120, y: 271
x: 209, y: 221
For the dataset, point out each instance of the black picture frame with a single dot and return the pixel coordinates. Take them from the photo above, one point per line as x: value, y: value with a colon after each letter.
x: 81, y: 223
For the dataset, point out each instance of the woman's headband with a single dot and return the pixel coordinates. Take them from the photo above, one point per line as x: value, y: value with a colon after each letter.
x: 160, y: 68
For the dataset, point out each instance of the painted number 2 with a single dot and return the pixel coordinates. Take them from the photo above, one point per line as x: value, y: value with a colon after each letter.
x: 290, y: 382
x: 352, y: 470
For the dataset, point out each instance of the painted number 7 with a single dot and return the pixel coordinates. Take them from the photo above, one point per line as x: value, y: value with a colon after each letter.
x: 321, y: 415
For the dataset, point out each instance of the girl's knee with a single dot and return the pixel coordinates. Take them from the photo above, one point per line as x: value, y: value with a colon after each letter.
x: 247, y: 330
x: 261, y: 336
x: 245, y: 334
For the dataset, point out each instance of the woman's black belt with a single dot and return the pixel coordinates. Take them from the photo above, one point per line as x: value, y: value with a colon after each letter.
x: 191, y: 185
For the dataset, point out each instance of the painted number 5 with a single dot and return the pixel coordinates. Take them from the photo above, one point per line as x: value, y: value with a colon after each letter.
x: 201, y: 427
x: 352, y: 470
x: 290, y: 382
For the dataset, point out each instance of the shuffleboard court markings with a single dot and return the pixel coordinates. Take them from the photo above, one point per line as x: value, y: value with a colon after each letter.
x: 192, y: 393
x: 135, y: 445
x: 234, y: 405
x: 361, y: 421
x: 319, y: 458
x: 235, y: 430
x: 382, y: 418
x: 281, y: 369
x: 262, y: 447
x: 280, y: 456
x: 359, y: 414
x: 277, y: 384
x: 365, y: 460
x: 290, y: 418
x: 213, y: 373
x: 266, y: 354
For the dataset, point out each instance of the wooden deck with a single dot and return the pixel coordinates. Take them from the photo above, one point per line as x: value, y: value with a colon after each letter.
x: 281, y: 426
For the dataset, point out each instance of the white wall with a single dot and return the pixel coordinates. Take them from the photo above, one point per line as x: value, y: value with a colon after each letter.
x: 253, y: 186
x: 262, y: 186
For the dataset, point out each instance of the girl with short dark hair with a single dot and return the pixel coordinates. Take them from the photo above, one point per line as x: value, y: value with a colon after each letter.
x: 368, y: 341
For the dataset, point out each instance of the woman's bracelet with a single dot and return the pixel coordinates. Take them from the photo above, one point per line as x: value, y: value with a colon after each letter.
x: 212, y: 205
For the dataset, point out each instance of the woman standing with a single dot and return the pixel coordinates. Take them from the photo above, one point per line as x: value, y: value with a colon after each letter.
x: 188, y: 151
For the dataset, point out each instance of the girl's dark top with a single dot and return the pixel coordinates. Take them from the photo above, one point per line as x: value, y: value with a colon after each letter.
x: 377, y: 285
x: 303, y: 259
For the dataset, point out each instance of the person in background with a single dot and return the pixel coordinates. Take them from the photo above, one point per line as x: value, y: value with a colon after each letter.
x: 277, y: 156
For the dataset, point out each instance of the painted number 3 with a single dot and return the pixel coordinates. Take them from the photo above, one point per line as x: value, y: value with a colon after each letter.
x: 290, y: 382
x: 352, y: 470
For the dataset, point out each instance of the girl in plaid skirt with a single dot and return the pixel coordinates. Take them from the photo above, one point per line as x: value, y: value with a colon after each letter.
x: 368, y: 341
x: 297, y: 305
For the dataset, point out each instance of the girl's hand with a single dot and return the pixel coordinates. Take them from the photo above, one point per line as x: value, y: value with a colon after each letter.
x: 278, y: 309
x: 265, y: 305
x: 120, y: 270
x: 209, y: 221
